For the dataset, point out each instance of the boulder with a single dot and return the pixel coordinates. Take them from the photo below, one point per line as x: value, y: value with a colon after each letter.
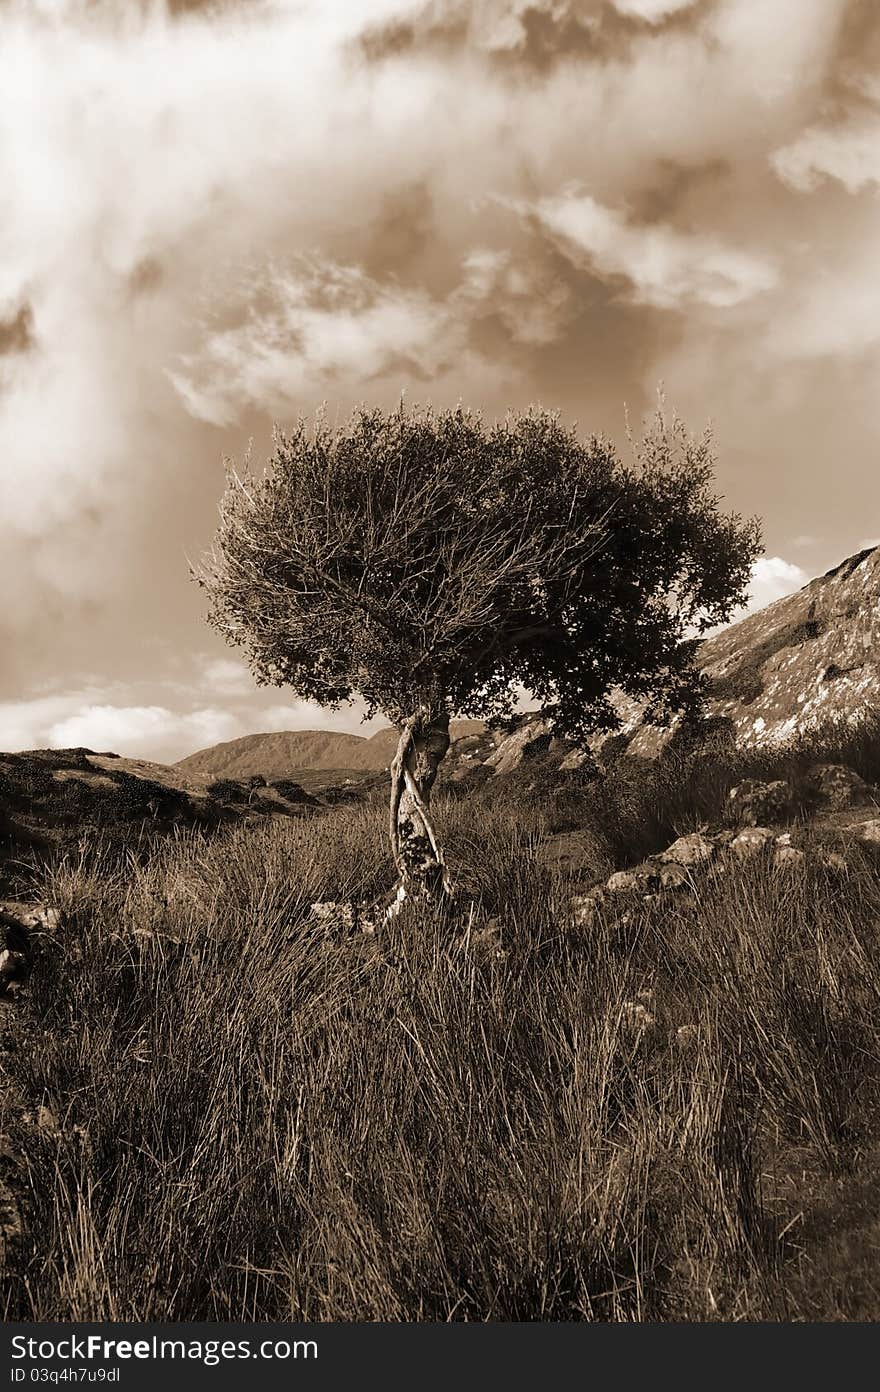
x: 836, y: 786
x: 788, y: 857
x: 694, y: 849
x: 644, y: 878
x: 753, y: 802
x: 585, y: 907
x: 342, y: 917
x: 752, y: 841
x: 674, y: 877
x: 622, y: 882
x: 29, y: 916
x: 532, y: 738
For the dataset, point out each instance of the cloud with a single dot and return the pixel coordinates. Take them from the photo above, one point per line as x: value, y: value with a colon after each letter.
x: 662, y: 266
x: 848, y: 153
x: 310, y: 324
x: 654, y: 11
x: 227, y: 677
x: 835, y: 313
x: 198, y: 120
x: 140, y: 730
x: 163, y: 720
x: 772, y: 579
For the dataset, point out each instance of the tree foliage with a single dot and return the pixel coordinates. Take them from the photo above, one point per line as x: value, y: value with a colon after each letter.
x: 425, y: 562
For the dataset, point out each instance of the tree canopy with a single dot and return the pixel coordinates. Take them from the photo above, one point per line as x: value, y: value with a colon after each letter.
x: 427, y: 561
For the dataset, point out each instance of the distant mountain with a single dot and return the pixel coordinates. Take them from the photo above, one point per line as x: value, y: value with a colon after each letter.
x: 286, y: 752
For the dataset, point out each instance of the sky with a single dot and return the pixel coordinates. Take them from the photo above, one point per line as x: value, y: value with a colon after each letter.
x: 221, y: 215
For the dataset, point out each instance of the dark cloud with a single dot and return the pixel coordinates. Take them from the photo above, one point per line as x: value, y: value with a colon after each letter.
x: 566, y: 33
x: 401, y: 232
x: 145, y: 276
x: 426, y: 31
x: 538, y: 37
x: 858, y: 43
x: 17, y: 333
x: 664, y: 191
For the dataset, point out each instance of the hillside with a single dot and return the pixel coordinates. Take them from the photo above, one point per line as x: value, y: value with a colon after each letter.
x: 50, y: 797
x: 286, y: 752
x: 809, y: 659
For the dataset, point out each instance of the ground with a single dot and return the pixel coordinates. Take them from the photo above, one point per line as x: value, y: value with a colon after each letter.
x: 218, y: 1108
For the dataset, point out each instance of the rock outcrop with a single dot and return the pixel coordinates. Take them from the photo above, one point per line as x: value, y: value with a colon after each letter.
x: 682, y: 865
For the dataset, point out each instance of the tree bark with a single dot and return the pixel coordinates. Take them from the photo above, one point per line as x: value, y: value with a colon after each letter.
x: 418, y: 856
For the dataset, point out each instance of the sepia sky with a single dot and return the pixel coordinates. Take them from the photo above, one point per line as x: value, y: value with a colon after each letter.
x: 221, y: 214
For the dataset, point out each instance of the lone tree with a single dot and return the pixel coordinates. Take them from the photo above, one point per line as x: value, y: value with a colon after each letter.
x: 430, y: 564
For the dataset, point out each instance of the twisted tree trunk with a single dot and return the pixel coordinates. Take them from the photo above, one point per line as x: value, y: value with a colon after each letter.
x: 423, y: 743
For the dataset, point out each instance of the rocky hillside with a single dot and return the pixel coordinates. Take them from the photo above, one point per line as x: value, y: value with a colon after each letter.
x: 809, y: 658
x: 812, y: 656
x: 288, y: 753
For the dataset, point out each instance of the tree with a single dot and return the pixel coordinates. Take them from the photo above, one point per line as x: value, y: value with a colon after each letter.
x: 431, y: 564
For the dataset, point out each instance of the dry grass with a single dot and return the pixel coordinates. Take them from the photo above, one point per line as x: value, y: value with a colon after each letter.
x: 258, y: 1122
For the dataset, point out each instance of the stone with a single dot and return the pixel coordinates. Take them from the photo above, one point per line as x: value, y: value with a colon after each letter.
x: 23, y: 915
x: 836, y: 786
x: 694, y: 849
x: 788, y: 858
x: 575, y: 759
x: 674, y: 877
x: 622, y: 882
x: 636, y: 1017
x: 870, y: 831
x: 334, y: 914
x: 833, y: 861
x: 751, y: 842
x: 753, y: 802
x: 585, y: 907
x: 644, y: 878
x: 686, y: 1036
x: 533, y: 737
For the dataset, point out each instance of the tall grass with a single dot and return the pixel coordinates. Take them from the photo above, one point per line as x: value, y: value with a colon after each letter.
x: 669, y: 1116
